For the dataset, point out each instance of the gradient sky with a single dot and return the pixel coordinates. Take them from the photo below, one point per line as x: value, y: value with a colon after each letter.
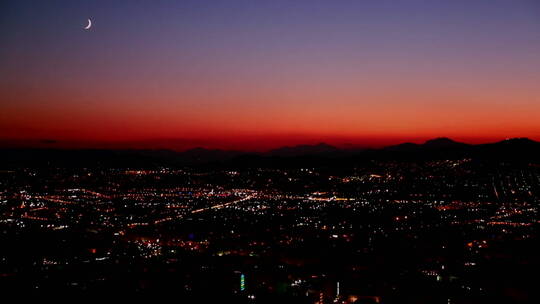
x: 259, y: 74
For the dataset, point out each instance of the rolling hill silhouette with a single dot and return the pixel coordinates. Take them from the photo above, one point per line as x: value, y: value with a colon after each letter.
x: 516, y: 149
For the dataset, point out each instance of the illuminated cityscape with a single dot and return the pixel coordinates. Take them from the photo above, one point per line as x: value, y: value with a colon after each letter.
x: 270, y: 151
x: 386, y: 231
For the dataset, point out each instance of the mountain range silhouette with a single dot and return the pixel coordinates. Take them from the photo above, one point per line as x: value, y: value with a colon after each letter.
x: 515, y: 149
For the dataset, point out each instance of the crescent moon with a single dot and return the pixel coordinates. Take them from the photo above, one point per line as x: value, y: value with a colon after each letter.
x: 89, y: 25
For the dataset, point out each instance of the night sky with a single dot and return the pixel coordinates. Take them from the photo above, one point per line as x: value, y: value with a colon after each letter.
x: 260, y: 74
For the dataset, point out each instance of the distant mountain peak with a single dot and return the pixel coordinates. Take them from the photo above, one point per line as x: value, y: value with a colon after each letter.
x: 320, y: 148
x: 516, y: 143
x: 442, y: 142
x: 432, y: 144
x: 518, y: 140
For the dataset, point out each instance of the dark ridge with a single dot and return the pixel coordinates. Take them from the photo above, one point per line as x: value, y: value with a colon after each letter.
x: 320, y: 148
x: 443, y: 142
x: 407, y: 147
x: 516, y: 149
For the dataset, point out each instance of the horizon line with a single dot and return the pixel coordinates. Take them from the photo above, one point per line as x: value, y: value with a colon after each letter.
x: 53, y: 144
